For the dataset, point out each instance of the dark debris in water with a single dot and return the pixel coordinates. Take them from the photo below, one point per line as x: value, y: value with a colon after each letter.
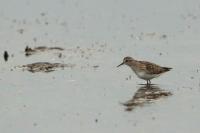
x: 95, y: 66
x: 96, y: 120
x: 5, y: 55
x: 45, y: 66
x: 21, y: 31
x: 30, y: 51
x: 146, y: 95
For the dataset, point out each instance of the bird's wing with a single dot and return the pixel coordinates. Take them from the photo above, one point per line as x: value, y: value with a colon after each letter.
x: 152, y: 68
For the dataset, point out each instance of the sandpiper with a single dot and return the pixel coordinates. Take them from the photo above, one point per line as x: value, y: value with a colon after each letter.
x: 144, y: 70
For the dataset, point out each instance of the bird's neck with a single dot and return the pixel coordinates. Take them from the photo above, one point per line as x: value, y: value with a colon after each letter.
x: 134, y: 65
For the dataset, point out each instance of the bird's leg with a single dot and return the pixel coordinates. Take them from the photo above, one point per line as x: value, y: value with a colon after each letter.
x: 147, y: 82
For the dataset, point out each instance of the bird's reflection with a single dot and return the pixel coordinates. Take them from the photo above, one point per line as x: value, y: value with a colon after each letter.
x: 145, y: 95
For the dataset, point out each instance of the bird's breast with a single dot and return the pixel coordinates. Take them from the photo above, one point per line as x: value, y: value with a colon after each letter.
x: 145, y: 76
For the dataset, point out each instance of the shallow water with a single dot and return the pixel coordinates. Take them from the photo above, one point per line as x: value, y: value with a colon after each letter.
x: 96, y: 35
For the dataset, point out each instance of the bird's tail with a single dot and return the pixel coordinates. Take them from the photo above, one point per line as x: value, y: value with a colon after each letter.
x: 166, y: 69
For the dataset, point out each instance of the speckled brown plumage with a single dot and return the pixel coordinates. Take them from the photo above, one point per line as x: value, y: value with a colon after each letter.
x: 152, y: 68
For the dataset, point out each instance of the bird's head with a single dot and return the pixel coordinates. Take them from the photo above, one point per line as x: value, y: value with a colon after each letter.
x: 127, y: 60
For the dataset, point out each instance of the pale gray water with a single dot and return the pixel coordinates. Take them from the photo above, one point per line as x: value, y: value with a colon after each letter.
x: 99, y: 33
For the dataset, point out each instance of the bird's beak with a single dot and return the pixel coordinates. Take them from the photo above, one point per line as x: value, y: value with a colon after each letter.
x: 120, y: 64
